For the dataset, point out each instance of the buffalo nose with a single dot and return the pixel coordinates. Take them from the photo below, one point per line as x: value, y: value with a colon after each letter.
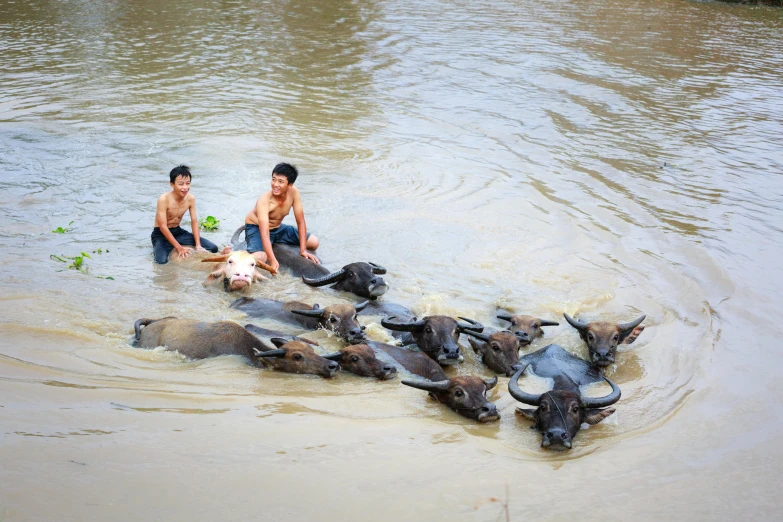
x: 557, y: 436
x: 374, y: 281
x: 488, y: 408
x: 523, y: 336
x: 356, y: 331
x: 333, y: 366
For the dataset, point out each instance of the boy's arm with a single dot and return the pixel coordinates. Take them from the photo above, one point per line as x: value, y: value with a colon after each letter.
x: 162, y: 221
x: 301, y: 225
x: 194, y: 224
x: 262, y: 213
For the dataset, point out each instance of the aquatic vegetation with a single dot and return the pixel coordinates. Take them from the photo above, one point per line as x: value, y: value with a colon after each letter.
x: 78, y: 263
x: 62, y: 230
x: 209, y: 223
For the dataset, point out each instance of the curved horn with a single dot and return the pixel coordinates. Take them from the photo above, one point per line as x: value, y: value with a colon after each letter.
x: 316, y: 312
x: 402, y: 327
x: 633, y: 324
x: 545, y: 322
x: 361, y: 306
x: 336, y: 356
x: 377, y: 269
x: 600, y: 402
x: 428, y: 385
x: 472, y: 325
x: 325, y: 280
x: 270, y: 353
x: 504, y: 316
x: 215, y: 259
x: 483, y: 337
x: 579, y: 325
x: 518, y: 394
x: 278, y: 341
x: 490, y: 383
x: 237, y: 233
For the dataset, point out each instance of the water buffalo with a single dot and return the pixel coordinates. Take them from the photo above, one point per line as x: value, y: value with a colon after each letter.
x: 526, y: 327
x: 602, y: 337
x: 415, y: 362
x: 360, y: 359
x: 238, y: 270
x: 499, y: 351
x: 466, y: 395
x: 436, y: 335
x: 199, y: 340
x: 561, y: 411
x: 359, y: 278
x: 338, y: 318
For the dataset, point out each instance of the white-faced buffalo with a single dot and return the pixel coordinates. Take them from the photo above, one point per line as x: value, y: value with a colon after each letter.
x: 199, y: 340
x: 602, y: 337
x: 237, y: 270
x: 561, y: 411
x: 499, y: 351
x: 338, y: 318
x: 436, y: 335
x: 526, y: 327
x: 361, y: 360
x: 466, y: 395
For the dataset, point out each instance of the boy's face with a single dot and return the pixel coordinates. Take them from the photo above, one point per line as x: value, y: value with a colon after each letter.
x: 181, y: 185
x: 279, y: 184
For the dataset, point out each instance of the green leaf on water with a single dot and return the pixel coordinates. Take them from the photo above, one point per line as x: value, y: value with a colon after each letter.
x: 209, y: 223
x: 62, y: 230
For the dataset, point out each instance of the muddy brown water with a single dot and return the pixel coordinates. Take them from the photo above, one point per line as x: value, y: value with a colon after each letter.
x: 605, y: 159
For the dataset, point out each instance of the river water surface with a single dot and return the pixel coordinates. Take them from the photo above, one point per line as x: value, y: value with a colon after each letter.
x: 605, y: 159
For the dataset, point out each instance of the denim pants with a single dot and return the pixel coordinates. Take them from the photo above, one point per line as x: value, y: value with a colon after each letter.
x: 162, y: 248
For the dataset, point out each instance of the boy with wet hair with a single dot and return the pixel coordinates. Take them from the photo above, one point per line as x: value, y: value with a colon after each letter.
x: 167, y: 234
x: 263, y: 224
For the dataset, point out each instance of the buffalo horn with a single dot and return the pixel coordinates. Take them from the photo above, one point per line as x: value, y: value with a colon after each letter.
x: 325, y: 280
x: 490, y: 383
x: 579, y: 325
x: 630, y: 326
x: 544, y: 322
x: 361, y: 306
x: 428, y: 385
x: 315, y: 312
x: 402, y: 327
x: 377, y: 269
x: 472, y: 325
x: 216, y: 259
x: 517, y: 393
x: 278, y: 341
x: 600, y: 402
x: 504, y: 316
x: 270, y: 353
x: 336, y: 356
x: 483, y: 337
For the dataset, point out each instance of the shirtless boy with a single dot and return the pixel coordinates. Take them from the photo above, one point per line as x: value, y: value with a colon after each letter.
x: 263, y: 225
x: 168, y: 235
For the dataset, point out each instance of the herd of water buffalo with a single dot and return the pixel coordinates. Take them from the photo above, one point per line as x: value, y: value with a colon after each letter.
x: 427, y: 345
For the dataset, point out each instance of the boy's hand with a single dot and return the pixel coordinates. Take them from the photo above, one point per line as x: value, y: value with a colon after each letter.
x: 200, y: 248
x: 274, y: 264
x: 311, y: 257
x: 183, y: 252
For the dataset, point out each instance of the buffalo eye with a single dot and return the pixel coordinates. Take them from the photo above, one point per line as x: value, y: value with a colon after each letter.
x: 615, y: 338
x: 544, y: 407
x: 536, y: 326
x: 350, y: 274
x: 495, y: 347
x: 575, y: 409
x: 459, y: 393
x: 428, y: 329
x: 355, y: 358
x: 230, y: 261
x: 297, y: 356
x: 332, y: 319
x: 590, y: 337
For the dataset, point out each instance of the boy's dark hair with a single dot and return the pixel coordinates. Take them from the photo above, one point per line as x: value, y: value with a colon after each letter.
x: 287, y: 170
x: 180, y: 170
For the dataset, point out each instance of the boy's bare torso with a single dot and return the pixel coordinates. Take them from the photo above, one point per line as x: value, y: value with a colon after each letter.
x: 175, y: 209
x: 278, y: 209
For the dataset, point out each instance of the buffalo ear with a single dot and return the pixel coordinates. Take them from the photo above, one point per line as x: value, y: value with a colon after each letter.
x: 526, y: 413
x: 594, y: 416
x: 478, y: 347
x: 214, y: 276
x: 634, y: 334
x: 258, y: 275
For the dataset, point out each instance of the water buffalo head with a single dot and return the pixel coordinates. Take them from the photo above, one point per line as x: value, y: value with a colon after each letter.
x: 340, y: 319
x: 361, y: 279
x: 437, y: 335
x: 499, y: 351
x: 560, y: 413
x: 297, y: 357
x: 602, y: 337
x: 526, y: 327
x: 238, y: 270
x: 467, y: 395
x: 360, y: 359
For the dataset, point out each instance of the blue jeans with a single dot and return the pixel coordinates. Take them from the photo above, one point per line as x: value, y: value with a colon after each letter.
x: 162, y: 248
x: 282, y: 234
